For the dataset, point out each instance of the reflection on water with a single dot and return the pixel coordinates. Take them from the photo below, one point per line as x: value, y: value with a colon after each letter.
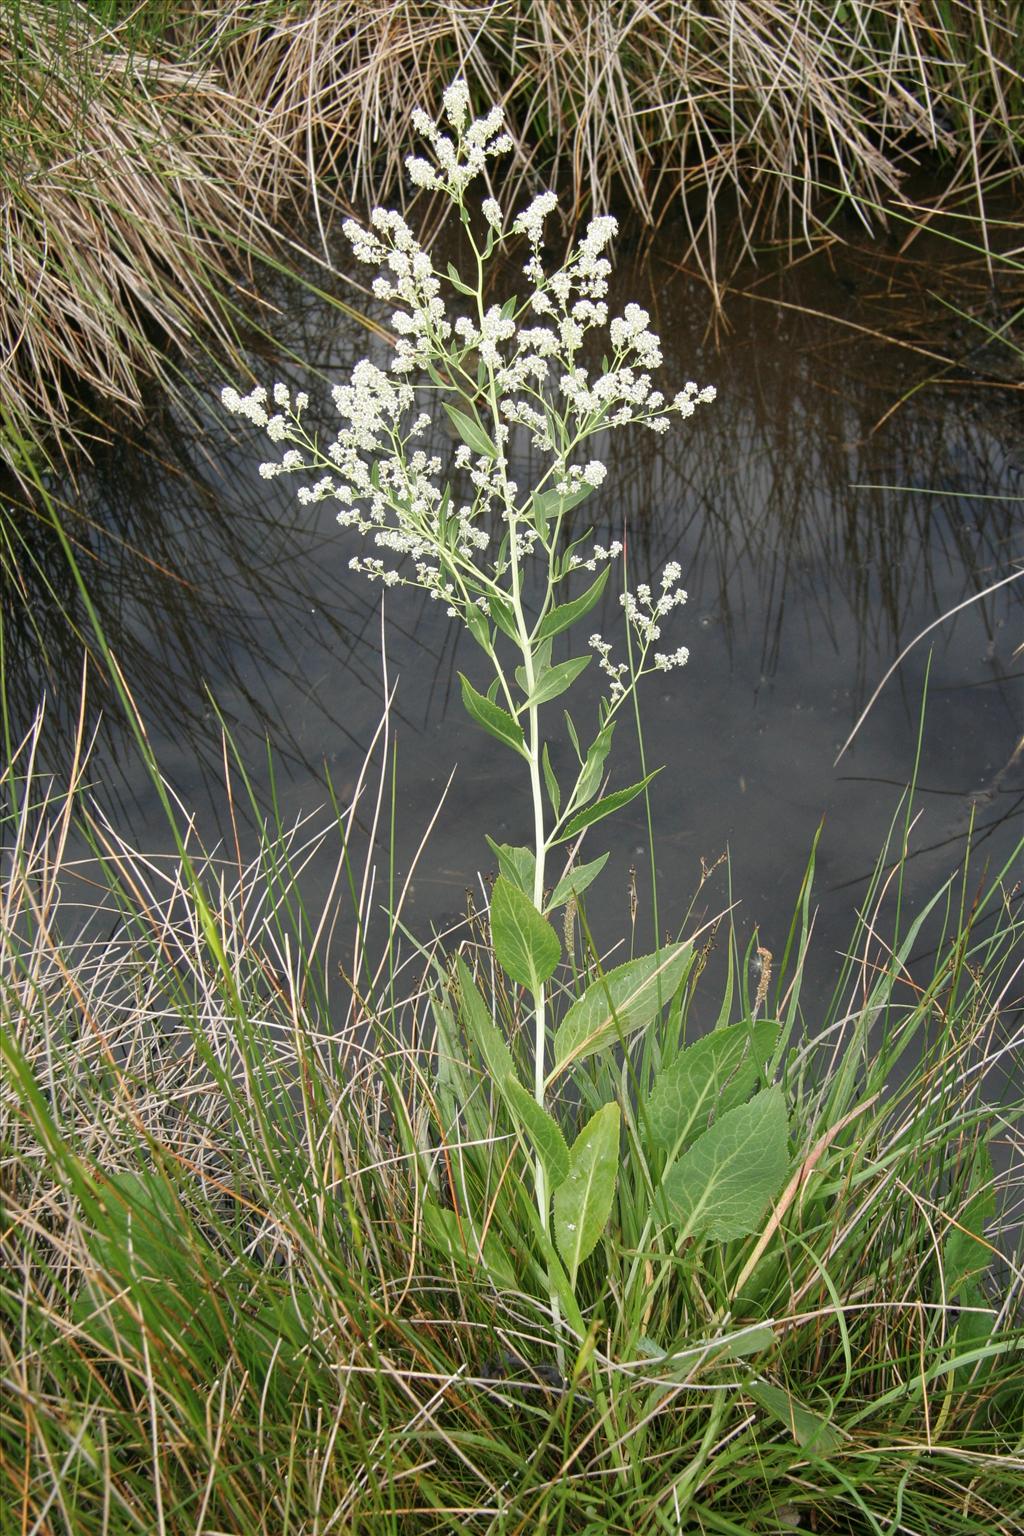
x: 807, y: 575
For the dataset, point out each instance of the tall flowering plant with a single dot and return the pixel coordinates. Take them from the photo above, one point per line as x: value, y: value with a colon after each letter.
x: 471, y: 537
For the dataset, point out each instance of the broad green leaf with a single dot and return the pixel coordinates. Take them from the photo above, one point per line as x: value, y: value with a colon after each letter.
x: 752, y: 1341
x: 542, y: 1130
x: 974, y: 1329
x: 602, y: 808
x: 723, y: 1184
x: 966, y: 1253
x: 525, y: 943
x: 158, y: 1262
x: 566, y: 614
x: 712, y: 1075
x: 583, y: 1202
x: 462, y: 1240
x: 619, y: 1003
x: 516, y: 864
x: 576, y: 881
x: 471, y: 432
x: 809, y: 1430
x: 736, y: 1346
x: 481, y: 1028
x: 492, y: 717
x: 966, y: 1256
x: 554, y: 792
x: 557, y: 679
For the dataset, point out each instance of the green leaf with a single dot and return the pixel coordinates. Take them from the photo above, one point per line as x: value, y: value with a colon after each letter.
x: 157, y: 1262
x: 481, y: 1028
x: 557, y: 679
x: 548, y: 504
x: 712, y: 1075
x: 966, y: 1253
x: 458, y: 284
x: 567, y: 613
x: 542, y: 1130
x: 573, y: 737
x: 516, y: 864
x: 554, y: 793
x: 471, y: 432
x: 602, y: 808
x: 583, y: 1202
x: 589, y: 780
x: 503, y: 615
x: 525, y: 943
x: 478, y: 627
x: 541, y: 663
x: 495, y: 720
x: 462, y: 1240
x: 619, y: 1003
x: 809, y: 1430
x: 722, y: 1185
x: 576, y: 881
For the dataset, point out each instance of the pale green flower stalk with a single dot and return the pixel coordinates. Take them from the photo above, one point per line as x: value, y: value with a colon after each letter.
x: 465, y: 532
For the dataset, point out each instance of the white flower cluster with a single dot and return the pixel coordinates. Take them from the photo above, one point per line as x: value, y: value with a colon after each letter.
x: 520, y: 364
x: 597, y: 556
x: 643, y: 612
x: 458, y: 161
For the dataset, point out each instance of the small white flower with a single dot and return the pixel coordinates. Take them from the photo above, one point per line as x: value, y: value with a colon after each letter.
x: 456, y: 104
x: 421, y: 172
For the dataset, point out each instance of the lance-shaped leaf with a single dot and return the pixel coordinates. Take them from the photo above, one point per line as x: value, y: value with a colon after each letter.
x: 551, y: 780
x: 966, y: 1252
x: 516, y: 864
x: 557, y: 679
x: 548, y: 504
x: 714, y: 1074
x: 576, y: 881
x: 481, y: 1028
x: 471, y: 432
x: 525, y: 943
x: 503, y: 615
x: 464, y: 1241
x: 589, y: 781
x: 566, y: 614
x: 603, y: 807
x: 809, y: 1429
x: 583, y: 1202
x: 620, y: 1002
x: 542, y: 1130
x: 497, y: 721
x: 723, y: 1184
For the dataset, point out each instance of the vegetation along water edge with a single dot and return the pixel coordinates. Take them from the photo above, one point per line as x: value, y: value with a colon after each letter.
x: 310, y: 1226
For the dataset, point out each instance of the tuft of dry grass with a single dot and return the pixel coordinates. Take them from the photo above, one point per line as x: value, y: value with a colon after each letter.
x: 149, y: 154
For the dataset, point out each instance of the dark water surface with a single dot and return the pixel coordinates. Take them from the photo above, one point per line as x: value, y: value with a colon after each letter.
x: 824, y: 511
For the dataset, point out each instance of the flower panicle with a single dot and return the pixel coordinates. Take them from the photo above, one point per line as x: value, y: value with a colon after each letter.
x: 522, y: 366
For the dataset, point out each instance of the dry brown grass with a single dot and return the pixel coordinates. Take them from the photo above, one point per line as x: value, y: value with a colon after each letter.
x: 131, y: 189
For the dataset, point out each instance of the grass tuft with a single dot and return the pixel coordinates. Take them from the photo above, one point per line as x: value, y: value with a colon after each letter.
x: 226, y: 1130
